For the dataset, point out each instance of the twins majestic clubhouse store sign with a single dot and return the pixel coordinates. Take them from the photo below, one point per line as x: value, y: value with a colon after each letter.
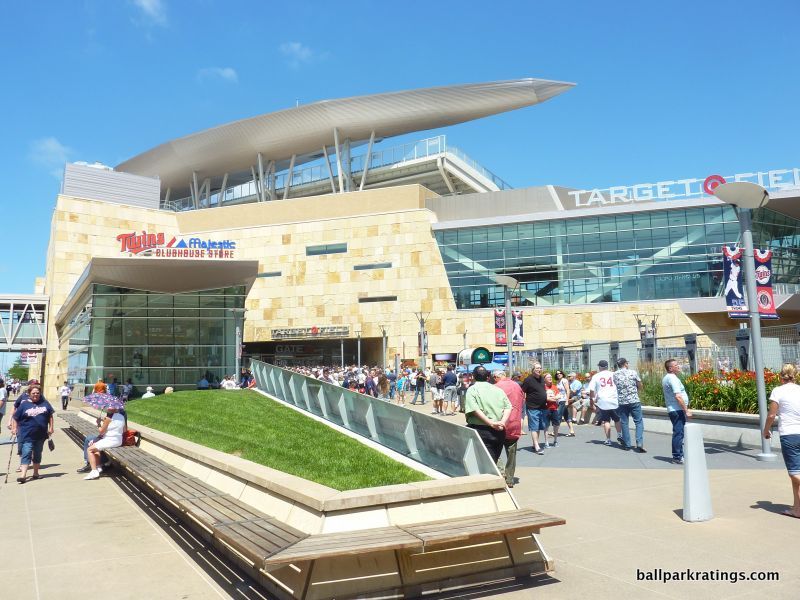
x: 156, y: 245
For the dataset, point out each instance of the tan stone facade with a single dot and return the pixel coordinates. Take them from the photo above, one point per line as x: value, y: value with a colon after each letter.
x: 385, y: 225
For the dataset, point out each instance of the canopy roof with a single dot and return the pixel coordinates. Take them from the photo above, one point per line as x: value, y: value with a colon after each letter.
x: 305, y: 130
x: 167, y: 276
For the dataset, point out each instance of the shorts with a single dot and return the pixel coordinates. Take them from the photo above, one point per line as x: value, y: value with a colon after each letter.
x: 790, y: 448
x: 538, y: 419
x: 31, y: 451
x: 606, y: 416
x: 450, y: 393
x: 438, y: 394
x: 105, y: 444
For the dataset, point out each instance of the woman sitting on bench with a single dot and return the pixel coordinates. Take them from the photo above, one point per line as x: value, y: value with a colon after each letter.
x: 111, y: 432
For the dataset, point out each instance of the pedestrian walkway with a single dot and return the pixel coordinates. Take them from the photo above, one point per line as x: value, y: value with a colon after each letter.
x: 66, y: 538
x: 586, y: 450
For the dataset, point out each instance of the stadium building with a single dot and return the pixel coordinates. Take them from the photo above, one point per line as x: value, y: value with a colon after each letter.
x: 320, y: 240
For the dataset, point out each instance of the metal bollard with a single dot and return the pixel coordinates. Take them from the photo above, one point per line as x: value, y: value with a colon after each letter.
x: 696, y: 493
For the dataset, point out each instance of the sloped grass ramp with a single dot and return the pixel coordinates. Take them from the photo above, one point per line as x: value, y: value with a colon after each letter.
x: 246, y: 424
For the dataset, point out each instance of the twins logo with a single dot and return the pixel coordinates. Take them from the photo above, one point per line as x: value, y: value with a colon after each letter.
x: 138, y: 243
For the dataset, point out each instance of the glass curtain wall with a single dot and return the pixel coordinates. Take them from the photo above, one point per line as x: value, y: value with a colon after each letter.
x: 655, y: 255
x: 154, y: 339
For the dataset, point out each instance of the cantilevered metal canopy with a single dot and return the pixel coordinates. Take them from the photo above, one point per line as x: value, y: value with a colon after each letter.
x: 297, y: 135
x: 167, y: 276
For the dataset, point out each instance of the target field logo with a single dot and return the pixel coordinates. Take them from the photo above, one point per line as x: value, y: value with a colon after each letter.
x: 711, y: 183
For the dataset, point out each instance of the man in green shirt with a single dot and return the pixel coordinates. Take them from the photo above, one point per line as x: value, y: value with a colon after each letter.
x: 487, y: 408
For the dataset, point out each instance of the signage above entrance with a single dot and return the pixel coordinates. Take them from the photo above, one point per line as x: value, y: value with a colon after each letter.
x: 156, y: 244
x: 333, y: 331
x: 777, y: 180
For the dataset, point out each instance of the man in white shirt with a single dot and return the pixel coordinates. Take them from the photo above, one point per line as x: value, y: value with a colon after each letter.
x: 603, y: 396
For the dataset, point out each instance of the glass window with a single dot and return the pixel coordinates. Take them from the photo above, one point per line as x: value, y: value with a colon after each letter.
x: 161, y: 356
x: 495, y: 234
x: 450, y: 237
x: 465, y: 236
x: 160, y: 331
x: 590, y: 225
x: 510, y: 232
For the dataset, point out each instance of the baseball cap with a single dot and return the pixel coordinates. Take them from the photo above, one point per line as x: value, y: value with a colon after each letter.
x: 603, y: 364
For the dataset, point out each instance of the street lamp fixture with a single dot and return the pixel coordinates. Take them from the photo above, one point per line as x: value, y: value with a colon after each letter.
x: 746, y: 197
x: 509, y: 285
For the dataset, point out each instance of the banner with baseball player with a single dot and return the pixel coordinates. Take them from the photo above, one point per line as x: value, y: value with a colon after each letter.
x: 735, y: 300
x: 500, y: 326
x: 517, y: 335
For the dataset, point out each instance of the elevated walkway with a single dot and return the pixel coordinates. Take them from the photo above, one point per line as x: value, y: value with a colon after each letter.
x: 23, y: 322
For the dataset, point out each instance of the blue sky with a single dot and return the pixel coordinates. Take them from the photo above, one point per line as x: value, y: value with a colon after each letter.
x: 665, y: 90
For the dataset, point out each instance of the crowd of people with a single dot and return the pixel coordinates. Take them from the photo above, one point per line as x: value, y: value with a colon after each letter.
x: 495, y: 405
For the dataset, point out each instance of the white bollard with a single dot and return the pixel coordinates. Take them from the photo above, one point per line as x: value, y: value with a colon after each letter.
x: 696, y: 493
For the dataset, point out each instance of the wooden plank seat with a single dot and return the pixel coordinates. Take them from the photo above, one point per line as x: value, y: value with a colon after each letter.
x: 221, y: 509
x: 258, y: 539
x: 81, y: 426
x: 455, y: 530
x: 325, y: 545
x: 416, y: 537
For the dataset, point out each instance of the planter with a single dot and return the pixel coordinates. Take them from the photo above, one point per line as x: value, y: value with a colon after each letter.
x: 731, y: 428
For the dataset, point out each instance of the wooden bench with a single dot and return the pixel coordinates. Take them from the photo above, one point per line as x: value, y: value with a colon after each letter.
x: 264, y: 545
x: 251, y: 536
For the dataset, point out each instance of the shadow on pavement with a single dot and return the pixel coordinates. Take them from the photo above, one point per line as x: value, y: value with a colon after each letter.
x: 666, y: 459
x: 770, y: 506
x: 503, y: 586
x: 232, y: 581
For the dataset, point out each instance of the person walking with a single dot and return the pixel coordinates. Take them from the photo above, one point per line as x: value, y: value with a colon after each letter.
x: 33, y: 425
x: 402, y: 384
x: 450, y: 381
x: 419, y: 390
x: 785, y: 402
x: 3, y: 400
x: 677, y: 402
x: 64, y: 392
x: 535, y: 405
x: 629, y: 384
x: 383, y: 387
x: 576, y: 398
x: 513, y: 429
x: 552, y: 408
x: 603, y: 395
x: 488, y: 410
x: 565, y: 401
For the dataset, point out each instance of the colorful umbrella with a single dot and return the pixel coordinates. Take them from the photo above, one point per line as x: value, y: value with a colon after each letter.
x: 103, y: 401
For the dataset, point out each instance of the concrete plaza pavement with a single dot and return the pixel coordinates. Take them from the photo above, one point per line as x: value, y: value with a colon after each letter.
x: 68, y: 538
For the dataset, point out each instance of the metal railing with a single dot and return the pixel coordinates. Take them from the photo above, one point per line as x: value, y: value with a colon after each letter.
x: 446, y: 447
x: 718, y: 351
x: 389, y: 157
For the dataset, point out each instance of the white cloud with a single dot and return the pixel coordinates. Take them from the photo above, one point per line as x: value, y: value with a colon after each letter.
x: 224, y: 73
x: 51, y: 154
x: 296, y: 54
x: 153, y: 11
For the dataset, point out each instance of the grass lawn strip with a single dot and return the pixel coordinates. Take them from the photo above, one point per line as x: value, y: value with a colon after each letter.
x: 246, y: 424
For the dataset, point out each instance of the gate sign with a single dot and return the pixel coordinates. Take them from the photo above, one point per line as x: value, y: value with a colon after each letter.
x: 735, y: 299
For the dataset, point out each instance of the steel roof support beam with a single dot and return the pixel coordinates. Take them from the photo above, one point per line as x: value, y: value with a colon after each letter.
x: 262, y: 192
x: 222, y: 190
x: 206, y: 189
x: 367, y: 160
x: 445, y: 176
x: 271, y: 180
x: 288, y: 184
x: 195, y: 190
x: 338, y: 159
x: 346, y: 162
x: 330, y: 172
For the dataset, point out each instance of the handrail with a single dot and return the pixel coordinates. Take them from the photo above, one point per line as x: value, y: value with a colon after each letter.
x: 444, y: 446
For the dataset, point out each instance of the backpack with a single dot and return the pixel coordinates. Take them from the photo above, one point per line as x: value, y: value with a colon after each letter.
x: 131, y: 437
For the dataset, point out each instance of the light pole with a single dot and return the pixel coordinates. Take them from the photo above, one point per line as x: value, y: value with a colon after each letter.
x: 745, y: 197
x: 358, y: 333
x: 509, y: 285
